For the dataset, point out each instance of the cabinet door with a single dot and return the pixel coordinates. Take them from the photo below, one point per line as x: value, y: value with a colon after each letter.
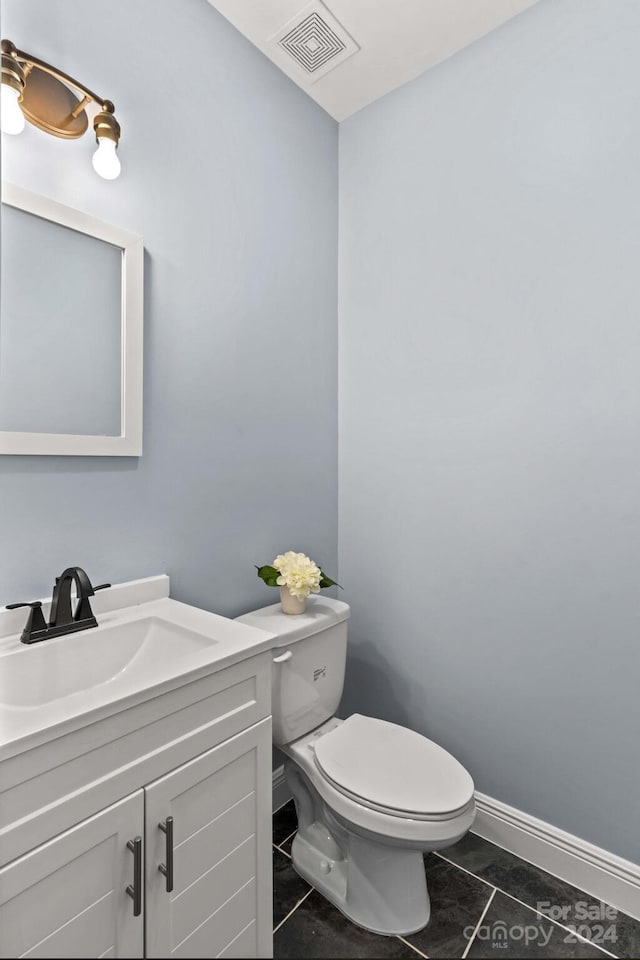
x: 67, y: 898
x: 221, y: 809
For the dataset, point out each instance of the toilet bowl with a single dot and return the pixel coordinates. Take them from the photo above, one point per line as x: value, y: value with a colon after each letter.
x: 362, y: 831
x: 371, y: 796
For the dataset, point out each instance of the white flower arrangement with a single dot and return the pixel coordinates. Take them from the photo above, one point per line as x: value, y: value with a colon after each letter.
x: 297, y: 572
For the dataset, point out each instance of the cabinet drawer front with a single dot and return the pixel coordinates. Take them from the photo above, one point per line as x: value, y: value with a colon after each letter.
x: 220, y: 804
x: 68, y: 897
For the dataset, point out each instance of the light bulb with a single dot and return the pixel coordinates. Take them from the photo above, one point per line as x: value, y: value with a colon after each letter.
x: 105, y: 160
x: 11, y: 115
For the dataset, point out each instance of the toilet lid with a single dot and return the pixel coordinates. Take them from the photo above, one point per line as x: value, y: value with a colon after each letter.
x: 390, y: 767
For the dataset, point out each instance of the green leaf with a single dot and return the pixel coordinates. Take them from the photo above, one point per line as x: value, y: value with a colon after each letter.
x: 326, y: 581
x: 269, y: 575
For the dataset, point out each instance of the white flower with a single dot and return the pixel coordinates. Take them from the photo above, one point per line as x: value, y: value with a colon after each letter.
x: 299, y: 573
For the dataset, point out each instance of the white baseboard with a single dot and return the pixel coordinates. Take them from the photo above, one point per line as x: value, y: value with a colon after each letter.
x: 280, y: 791
x: 592, y: 869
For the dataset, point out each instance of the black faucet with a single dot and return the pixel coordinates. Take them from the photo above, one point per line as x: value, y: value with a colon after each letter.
x: 62, y: 619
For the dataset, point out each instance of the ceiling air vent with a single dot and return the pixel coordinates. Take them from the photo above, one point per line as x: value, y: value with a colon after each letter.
x: 315, y: 40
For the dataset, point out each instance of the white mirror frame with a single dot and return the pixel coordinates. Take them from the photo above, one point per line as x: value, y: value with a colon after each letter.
x: 129, y: 443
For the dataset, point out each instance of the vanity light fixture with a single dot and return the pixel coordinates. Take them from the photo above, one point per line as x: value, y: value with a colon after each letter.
x: 47, y: 98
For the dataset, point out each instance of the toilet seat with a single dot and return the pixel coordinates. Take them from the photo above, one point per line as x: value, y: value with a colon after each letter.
x: 391, y: 769
x: 386, y: 825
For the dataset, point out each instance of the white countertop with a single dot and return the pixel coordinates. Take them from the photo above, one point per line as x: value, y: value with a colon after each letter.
x: 145, y: 644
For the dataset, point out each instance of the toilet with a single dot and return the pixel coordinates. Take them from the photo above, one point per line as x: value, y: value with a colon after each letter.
x: 371, y: 796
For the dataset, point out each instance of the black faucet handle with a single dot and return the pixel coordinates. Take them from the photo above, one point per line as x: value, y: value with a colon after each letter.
x: 84, y: 611
x: 35, y: 621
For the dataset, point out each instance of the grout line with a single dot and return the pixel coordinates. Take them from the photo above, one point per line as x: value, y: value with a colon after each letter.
x: 573, y: 933
x: 278, y: 847
x: 479, y: 923
x: 282, y: 805
x: 292, y: 834
x: 310, y: 890
x: 283, y: 852
x: 464, y: 870
x: 529, y: 907
x: 407, y: 944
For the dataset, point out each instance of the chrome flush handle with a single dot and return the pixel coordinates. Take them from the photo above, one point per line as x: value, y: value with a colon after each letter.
x: 283, y: 657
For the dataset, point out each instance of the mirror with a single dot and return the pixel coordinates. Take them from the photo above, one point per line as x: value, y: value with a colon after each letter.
x: 71, y: 304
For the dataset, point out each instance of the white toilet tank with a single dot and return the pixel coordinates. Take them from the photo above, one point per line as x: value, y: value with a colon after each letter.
x: 307, y: 675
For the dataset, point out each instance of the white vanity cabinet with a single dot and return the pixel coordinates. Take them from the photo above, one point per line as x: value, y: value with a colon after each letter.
x: 196, y: 758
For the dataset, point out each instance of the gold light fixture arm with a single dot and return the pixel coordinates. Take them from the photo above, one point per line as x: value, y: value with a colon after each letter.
x: 29, y: 60
x: 81, y: 105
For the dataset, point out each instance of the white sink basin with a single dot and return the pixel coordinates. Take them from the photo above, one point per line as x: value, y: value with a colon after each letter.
x: 121, y: 654
x: 134, y: 653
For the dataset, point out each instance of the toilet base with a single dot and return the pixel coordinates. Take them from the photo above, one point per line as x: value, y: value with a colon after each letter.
x: 379, y: 886
x: 393, y: 902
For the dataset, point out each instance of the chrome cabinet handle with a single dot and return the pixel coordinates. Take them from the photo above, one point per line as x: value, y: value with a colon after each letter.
x: 167, y: 869
x: 135, y: 890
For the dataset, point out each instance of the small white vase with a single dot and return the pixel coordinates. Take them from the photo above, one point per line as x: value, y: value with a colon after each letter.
x: 291, y: 604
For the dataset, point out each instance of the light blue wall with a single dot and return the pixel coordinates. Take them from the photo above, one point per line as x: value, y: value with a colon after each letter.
x: 230, y: 173
x: 490, y: 412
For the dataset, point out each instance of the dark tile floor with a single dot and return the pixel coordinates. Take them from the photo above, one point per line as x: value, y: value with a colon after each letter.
x: 485, y: 902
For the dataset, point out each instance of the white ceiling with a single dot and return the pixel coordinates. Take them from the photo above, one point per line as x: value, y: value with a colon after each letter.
x: 398, y: 40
